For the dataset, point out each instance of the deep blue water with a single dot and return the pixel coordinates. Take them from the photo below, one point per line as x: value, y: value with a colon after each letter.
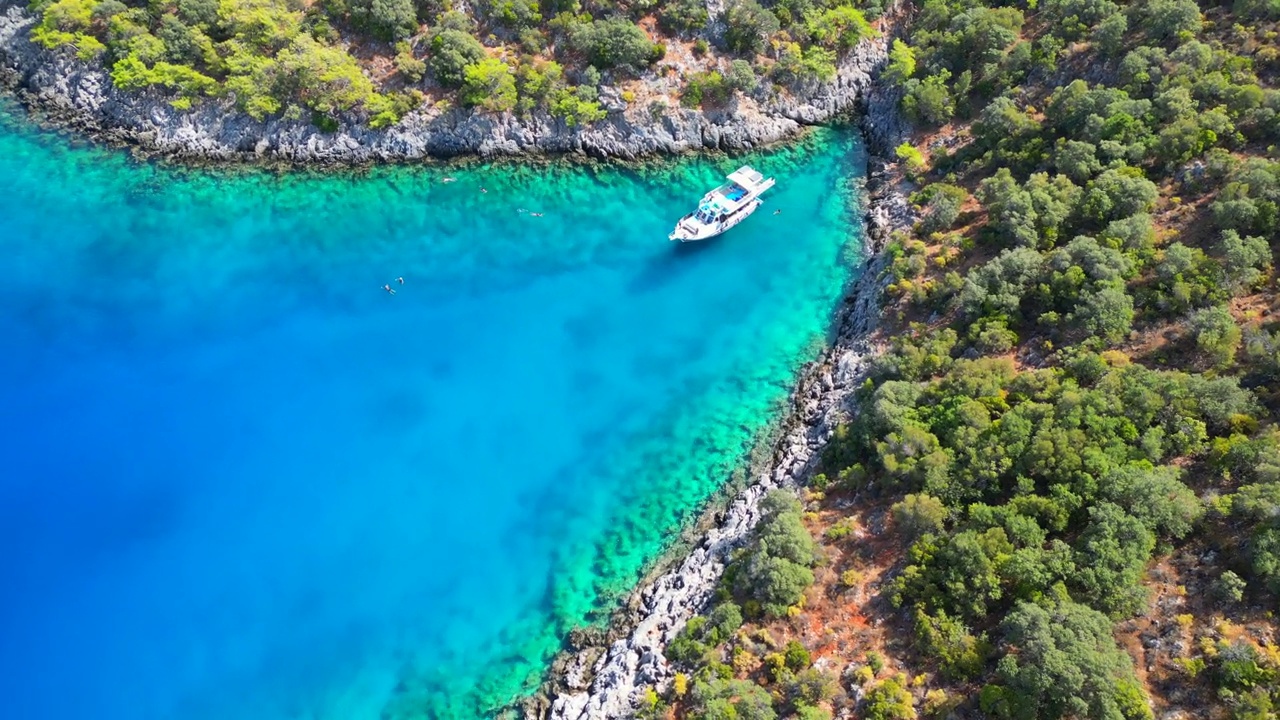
x: 241, y: 481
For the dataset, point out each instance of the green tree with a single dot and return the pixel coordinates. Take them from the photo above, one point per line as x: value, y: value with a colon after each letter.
x: 1105, y: 313
x: 1156, y: 496
x: 1118, y: 193
x: 451, y: 52
x: 902, y: 63
x: 1063, y: 662
x: 747, y: 25
x: 889, y: 700
x: 1077, y: 160
x: 490, y: 85
x: 613, y: 43
x: 775, y: 571
x: 1112, y: 555
x: 389, y: 19
x: 840, y: 27
x: 1216, y: 334
x: 960, y: 655
x: 918, y: 514
x: 1168, y: 19
x: 1109, y: 34
x: 1245, y: 260
x: 929, y: 100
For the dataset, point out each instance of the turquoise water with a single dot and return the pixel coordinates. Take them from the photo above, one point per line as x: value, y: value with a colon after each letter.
x: 242, y: 481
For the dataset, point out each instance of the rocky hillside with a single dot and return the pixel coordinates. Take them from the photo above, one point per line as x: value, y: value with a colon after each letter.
x: 1059, y: 495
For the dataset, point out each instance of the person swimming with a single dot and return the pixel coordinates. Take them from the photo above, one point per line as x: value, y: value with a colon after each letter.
x: 448, y: 179
x: 778, y: 211
x: 400, y: 279
x: 535, y: 214
x: 483, y: 190
x: 389, y: 289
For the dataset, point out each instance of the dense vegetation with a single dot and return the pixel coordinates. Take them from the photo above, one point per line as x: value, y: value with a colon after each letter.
x: 1070, y: 437
x: 379, y: 59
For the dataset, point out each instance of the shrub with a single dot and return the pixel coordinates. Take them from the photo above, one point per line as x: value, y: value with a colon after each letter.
x: 741, y: 76
x: 841, y: 530
x: 516, y: 14
x: 575, y: 109
x: 911, y: 158
x: 409, y: 66
x: 795, y: 656
x: 683, y: 16
x: 705, y: 88
x: 940, y: 205
x: 889, y: 700
x: 1229, y: 587
x: 808, y: 687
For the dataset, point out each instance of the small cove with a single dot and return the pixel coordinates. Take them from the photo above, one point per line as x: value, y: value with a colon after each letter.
x: 243, y: 482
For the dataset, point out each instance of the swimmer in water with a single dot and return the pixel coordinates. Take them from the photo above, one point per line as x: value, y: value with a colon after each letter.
x: 536, y: 214
x: 389, y: 289
x: 777, y: 212
x: 448, y: 180
x: 483, y: 190
x: 400, y: 280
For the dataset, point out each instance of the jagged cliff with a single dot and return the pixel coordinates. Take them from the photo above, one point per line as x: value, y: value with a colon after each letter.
x: 80, y: 95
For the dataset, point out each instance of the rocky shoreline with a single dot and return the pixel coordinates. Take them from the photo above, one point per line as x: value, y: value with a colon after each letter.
x: 70, y: 93
x: 600, y: 678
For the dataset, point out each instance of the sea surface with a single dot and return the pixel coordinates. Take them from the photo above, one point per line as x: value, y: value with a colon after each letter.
x: 239, y: 480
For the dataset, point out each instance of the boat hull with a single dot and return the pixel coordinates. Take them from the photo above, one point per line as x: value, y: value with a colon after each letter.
x: 720, y: 228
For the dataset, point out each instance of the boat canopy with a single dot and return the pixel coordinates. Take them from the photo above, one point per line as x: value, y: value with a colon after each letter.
x: 746, y: 177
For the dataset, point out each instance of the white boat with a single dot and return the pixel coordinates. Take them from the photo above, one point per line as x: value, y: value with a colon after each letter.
x: 724, y: 207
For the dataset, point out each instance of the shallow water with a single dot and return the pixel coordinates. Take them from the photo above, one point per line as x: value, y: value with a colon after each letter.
x: 239, y: 480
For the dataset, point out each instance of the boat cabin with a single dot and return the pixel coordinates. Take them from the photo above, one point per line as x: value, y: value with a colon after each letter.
x: 725, y: 206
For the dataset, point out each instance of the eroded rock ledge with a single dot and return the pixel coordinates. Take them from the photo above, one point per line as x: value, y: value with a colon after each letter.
x: 72, y: 93
x: 600, y: 679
